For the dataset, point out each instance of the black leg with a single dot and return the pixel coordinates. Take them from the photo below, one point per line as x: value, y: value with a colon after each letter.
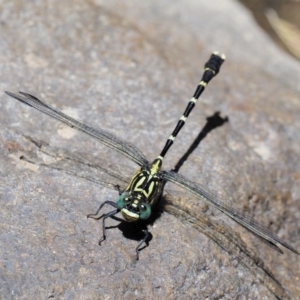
x: 105, y: 216
x: 94, y: 216
x: 144, y: 240
x: 111, y: 213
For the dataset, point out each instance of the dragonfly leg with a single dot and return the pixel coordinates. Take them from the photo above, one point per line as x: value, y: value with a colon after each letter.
x: 144, y: 240
x: 94, y: 216
x: 111, y: 213
x: 105, y: 216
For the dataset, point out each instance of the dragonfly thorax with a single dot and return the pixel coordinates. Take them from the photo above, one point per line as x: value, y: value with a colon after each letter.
x: 142, y: 193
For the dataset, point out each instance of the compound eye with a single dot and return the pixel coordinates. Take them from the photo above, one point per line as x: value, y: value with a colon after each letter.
x: 145, y: 211
x: 123, y: 200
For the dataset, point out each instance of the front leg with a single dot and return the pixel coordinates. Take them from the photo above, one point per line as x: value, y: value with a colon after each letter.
x: 94, y: 216
x: 105, y: 216
x: 111, y: 213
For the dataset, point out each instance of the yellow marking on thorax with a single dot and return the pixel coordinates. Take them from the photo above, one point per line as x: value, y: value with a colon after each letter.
x: 140, y: 182
x: 151, y: 187
x: 155, y: 166
x: 133, y: 178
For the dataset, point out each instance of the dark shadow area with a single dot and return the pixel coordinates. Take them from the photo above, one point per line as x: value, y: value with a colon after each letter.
x: 133, y: 231
x: 211, y: 123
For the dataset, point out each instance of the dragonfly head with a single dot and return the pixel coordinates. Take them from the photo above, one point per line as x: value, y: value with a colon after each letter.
x: 133, y: 207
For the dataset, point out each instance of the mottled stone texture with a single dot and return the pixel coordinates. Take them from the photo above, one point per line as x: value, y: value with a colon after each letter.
x: 130, y: 67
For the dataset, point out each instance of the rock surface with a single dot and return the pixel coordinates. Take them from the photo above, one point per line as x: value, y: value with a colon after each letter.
x: 130, y: 68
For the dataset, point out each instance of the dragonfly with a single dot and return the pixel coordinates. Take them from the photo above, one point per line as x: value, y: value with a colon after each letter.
x: 145, y: 189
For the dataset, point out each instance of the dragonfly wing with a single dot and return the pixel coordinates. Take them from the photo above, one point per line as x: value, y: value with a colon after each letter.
x: 238, y: 215
x: 104, y: 137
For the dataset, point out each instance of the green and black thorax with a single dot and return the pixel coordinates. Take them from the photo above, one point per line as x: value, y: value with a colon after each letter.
x: 142, y: 193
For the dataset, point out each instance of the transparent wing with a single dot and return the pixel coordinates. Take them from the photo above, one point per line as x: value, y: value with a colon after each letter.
x: 238, y: 215
x: 104, y: 137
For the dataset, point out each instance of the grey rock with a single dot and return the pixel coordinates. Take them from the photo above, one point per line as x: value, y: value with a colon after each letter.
x: 130, y: 68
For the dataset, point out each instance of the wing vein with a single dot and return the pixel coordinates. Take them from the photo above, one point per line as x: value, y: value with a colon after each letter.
x: 106, y: 138
x: 238, y: 215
